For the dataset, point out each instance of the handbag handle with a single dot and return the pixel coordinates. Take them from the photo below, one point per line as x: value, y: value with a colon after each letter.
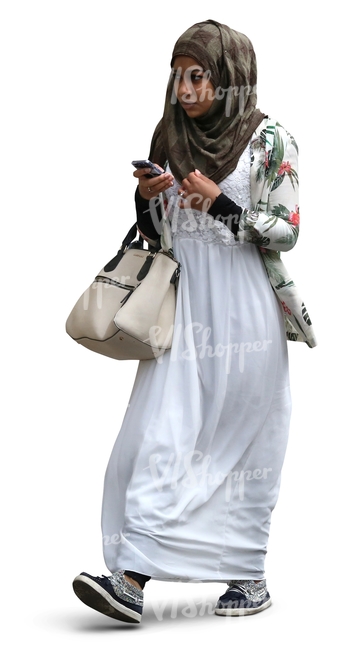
x: 131, y: 235
x: 165, y: 238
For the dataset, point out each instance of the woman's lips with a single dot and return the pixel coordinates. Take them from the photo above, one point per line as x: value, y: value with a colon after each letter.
x: 188, y: 105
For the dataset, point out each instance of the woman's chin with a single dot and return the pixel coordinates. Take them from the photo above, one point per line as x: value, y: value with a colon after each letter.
x: 192, y: 110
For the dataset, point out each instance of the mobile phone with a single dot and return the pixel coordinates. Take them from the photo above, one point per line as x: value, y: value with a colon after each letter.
x: 141, y: 164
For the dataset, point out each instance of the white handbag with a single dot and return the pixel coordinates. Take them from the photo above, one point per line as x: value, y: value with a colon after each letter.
x: 128, y: 311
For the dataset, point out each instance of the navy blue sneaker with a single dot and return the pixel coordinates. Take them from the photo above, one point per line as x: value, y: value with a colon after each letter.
x: 111, y: 595
x: 243, y: 597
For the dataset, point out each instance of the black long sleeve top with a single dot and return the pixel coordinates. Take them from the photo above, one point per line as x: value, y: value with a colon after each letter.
x: 223, y: 209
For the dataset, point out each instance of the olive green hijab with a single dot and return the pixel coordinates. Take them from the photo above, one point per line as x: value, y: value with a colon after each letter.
x: 214, y: 142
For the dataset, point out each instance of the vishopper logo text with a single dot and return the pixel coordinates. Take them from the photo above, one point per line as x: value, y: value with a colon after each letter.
x: 206, y: 221
x: 202, y: 348
x: 188, y: 607
x: 192, y: 470
x: 115, y: 539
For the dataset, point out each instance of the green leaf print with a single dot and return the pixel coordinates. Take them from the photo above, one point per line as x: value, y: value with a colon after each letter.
x: 283, y: 284
x: 277, y: 182
x: 243, y: 225
x: 271, y: 221
x: 299, y: 325
x: 293, y: 176
x: 280, y: 210
x: 292, y: 140
x: 270, y: 259
x: 292, y: 336
x: 305, y: 314
x: 276, y: 158
x: 287, y: 239
x: 260, y: 143
x: 261, y: 172
x: 261, y: 205
x: 262, y: 241
x: 270, y: 130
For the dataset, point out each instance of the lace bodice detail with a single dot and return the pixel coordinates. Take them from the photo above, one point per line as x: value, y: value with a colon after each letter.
x: 194, y: 224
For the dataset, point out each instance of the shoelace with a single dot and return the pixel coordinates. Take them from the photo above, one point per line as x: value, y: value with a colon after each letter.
x: 254, y: 591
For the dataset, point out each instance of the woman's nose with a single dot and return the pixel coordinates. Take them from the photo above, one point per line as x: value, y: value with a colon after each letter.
x: 185, y: 89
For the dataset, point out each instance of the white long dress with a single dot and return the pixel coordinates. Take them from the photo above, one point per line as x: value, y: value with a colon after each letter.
x: 195, y: 471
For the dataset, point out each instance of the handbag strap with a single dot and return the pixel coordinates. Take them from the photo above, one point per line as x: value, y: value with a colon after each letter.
x: 131, y: 235
x: 166, y: 235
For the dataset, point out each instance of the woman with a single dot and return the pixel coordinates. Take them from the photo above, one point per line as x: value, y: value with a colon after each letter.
x: 195, y: 471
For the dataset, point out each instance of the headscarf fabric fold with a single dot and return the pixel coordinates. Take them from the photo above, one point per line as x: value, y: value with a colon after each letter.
x: 214, y: 142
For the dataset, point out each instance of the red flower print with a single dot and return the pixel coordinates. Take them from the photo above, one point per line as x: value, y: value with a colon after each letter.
x: 266, y: 160
x: 284, y: 168
x: 294, y: 217
x: 262, y: 250
x: 285, y: 308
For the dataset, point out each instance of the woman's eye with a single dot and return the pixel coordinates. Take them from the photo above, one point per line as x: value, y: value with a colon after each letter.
x: 194, y: 77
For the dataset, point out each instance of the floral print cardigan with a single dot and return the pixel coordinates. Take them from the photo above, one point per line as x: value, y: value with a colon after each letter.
x: 273, y: 224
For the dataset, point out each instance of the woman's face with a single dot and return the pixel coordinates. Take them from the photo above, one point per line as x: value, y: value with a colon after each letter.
x: 192, y: 86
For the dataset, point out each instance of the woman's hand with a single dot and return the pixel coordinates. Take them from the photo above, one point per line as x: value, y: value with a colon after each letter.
x: 198, y: 192
x: 151, y: 187
x: 152, y: 242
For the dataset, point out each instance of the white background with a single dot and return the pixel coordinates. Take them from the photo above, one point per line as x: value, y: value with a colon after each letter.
x: 82, y: 85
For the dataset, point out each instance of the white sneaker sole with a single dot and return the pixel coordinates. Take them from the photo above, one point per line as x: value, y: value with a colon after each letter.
x: 93, y: 595
x: 242, y: 611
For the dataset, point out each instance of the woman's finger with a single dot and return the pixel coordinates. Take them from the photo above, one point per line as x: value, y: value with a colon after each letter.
x: 159, y: 183
x: 186, y: 184
x: 150, y: 187
x: 138, y: 173
x: 156, y: 180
